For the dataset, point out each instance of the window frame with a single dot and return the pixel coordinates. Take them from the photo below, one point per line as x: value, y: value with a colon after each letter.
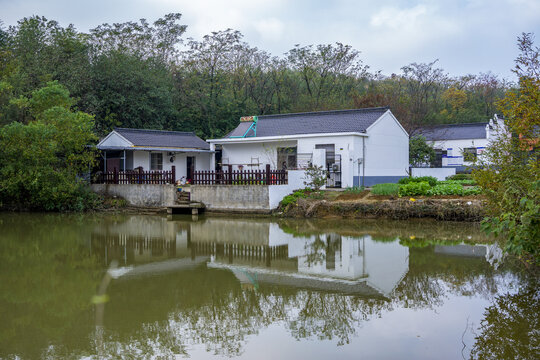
x: 159, y: 162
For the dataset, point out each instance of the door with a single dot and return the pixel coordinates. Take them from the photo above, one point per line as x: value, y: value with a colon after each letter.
x: 190, y: 167
x: 333, y: 165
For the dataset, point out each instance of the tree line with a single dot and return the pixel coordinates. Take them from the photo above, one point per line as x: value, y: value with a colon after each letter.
x: 148, y: 75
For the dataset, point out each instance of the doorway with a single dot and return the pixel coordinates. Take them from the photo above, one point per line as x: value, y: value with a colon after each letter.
x: 190, y: 167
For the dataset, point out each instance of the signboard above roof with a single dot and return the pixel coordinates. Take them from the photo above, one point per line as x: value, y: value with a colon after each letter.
x: 249, y: 118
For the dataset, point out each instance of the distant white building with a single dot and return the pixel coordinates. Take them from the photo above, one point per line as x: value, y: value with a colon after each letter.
x: 460, y: 145
x: 356, y: 147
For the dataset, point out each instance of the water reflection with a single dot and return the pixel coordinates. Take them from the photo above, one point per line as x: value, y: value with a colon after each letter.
x: 229, y: 286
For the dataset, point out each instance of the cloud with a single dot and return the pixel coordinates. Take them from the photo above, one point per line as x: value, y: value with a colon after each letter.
x: 270, y: 29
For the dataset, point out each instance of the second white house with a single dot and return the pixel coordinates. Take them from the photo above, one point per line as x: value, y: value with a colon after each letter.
x: 357, y: 147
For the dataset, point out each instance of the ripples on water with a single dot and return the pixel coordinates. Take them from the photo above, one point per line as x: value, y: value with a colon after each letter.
x: 82, y: 286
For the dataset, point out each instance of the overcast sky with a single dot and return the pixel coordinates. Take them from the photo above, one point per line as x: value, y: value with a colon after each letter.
x: 467, y: 36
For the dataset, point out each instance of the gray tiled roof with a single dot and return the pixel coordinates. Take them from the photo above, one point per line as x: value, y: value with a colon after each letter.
x: 320, y: 122
x: 454, y: 131
x: 160, y: 138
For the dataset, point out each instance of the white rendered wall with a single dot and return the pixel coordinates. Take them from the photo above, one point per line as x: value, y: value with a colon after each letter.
x: 387, y: 148
x: 439, y: 173
x: 113, y: 139
x: 241, y: 154
x: 202, y: 161
x: 276, y: 193
x: 455, y: 149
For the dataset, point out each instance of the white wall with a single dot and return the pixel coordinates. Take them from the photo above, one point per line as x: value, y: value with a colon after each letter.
x: 439, y: 173
x: 113, y: 139
x: 455, y: 149
x: 242, y: 153
x: 202, y: 161
x: 276, y: 193
x: 387, y: 148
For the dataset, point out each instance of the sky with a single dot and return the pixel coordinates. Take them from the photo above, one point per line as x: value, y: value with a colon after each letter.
x: 466, y: 36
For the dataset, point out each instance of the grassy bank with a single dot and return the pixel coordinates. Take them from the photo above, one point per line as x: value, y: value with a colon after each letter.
x: 367, y: 205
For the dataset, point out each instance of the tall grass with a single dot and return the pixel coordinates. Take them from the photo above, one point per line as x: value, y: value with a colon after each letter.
x: 385, y: 189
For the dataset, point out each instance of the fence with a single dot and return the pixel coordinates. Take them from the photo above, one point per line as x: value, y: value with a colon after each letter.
x: 136, y: 177
x: 240, y: 177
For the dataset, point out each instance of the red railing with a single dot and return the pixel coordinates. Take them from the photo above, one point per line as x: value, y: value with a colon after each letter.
x: 239, y: 177
x: 136, y: 177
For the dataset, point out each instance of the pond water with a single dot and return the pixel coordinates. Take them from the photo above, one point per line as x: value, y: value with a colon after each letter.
x: 121, y: 286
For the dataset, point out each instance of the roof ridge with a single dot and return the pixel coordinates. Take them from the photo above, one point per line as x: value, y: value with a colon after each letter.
x: 156, y: 131
x: 325, y: 112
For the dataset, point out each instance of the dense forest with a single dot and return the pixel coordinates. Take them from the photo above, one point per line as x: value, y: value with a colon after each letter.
x: 148, y: 75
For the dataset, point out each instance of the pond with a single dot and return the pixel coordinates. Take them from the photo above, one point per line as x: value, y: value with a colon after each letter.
x: 125, y: 286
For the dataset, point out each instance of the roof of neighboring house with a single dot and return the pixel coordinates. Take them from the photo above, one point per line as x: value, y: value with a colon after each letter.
x: 454, y: 131
x: 163, y: 139
x: 320, y: 122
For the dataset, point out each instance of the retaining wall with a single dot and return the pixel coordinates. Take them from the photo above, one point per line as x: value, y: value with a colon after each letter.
x: 139, y: 194
x: 257, y: 198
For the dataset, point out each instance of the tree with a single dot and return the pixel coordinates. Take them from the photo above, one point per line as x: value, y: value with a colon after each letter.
x: 420, y: 152
x: 510, y: 170
x: 41, y: 161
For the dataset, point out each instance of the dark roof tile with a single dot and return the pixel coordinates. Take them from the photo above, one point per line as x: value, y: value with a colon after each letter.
x: 320, y: 122
x: 160, y: 138
x: 454, y: 131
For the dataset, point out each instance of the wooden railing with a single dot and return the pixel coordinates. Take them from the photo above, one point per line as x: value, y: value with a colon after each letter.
x: 136, y: 177
x: 249, y: 177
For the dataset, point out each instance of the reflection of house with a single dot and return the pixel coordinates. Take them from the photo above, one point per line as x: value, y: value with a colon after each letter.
x: 128, y: 149
x: 363, y: 146
x: 459, y: 145
x: 262, y: 252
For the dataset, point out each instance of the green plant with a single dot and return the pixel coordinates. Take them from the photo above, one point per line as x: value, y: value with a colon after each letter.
x: 461, y: 182
x: 293, y: 198
x: 446, y: 189
x: 414, y: 189
x: 432, y: 181
x: 385, y: 189
x: 315, y: 177
x: 420, y: 152
x: 460, y: 177
x: 354, y: 190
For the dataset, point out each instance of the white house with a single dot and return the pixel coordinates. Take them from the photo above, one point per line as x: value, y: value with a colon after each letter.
x: 357, y: 147
x: 460, y: 145
x: 128, y: 149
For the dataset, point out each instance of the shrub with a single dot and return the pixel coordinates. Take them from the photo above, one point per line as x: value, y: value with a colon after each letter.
x: 385, y: 189
x: 414, y: 189
x: 292, y: 198
x: 429, y: 179
x: 461, y: 182
x: 460, y: 177
x: 446, y: 189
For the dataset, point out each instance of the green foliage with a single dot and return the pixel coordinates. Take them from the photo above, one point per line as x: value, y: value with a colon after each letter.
x: 385, y: 189
x: 511, y: 169
x: 315, y: 177
x: 414, y: 189
x: 461, y: 182
x: 293, y: 198
x: 432, y: 181
x: 41, y: 161
x: 420, y: 152
x: 354, y: 190
x: 460, y: 177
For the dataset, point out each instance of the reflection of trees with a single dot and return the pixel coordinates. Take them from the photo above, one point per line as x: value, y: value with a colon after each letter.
x: 47, y: 278
x: 511, y: 327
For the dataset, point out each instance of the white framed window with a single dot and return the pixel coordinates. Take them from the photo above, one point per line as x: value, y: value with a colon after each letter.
x: 156, y: 161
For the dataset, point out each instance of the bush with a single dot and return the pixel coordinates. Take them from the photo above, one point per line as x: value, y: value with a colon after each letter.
x: 460, y: 177
x: 446, y: 189
x: 385, y: 189
x: 292, y: 198
x: 461, y: 182
x: 414, y: 189
x: 429, y: 179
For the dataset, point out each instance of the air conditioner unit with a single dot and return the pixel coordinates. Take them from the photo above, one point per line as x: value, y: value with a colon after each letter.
x: 335, y: 167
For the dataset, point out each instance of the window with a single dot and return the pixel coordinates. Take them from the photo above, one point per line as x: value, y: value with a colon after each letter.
x: 469, y: 154
x: 156, y: 161
x: 286, y: 158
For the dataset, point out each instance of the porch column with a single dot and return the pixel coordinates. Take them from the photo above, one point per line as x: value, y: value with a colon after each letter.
x: 213, y: 157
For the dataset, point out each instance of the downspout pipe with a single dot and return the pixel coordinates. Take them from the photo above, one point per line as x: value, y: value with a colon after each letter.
x: 363, y: 160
